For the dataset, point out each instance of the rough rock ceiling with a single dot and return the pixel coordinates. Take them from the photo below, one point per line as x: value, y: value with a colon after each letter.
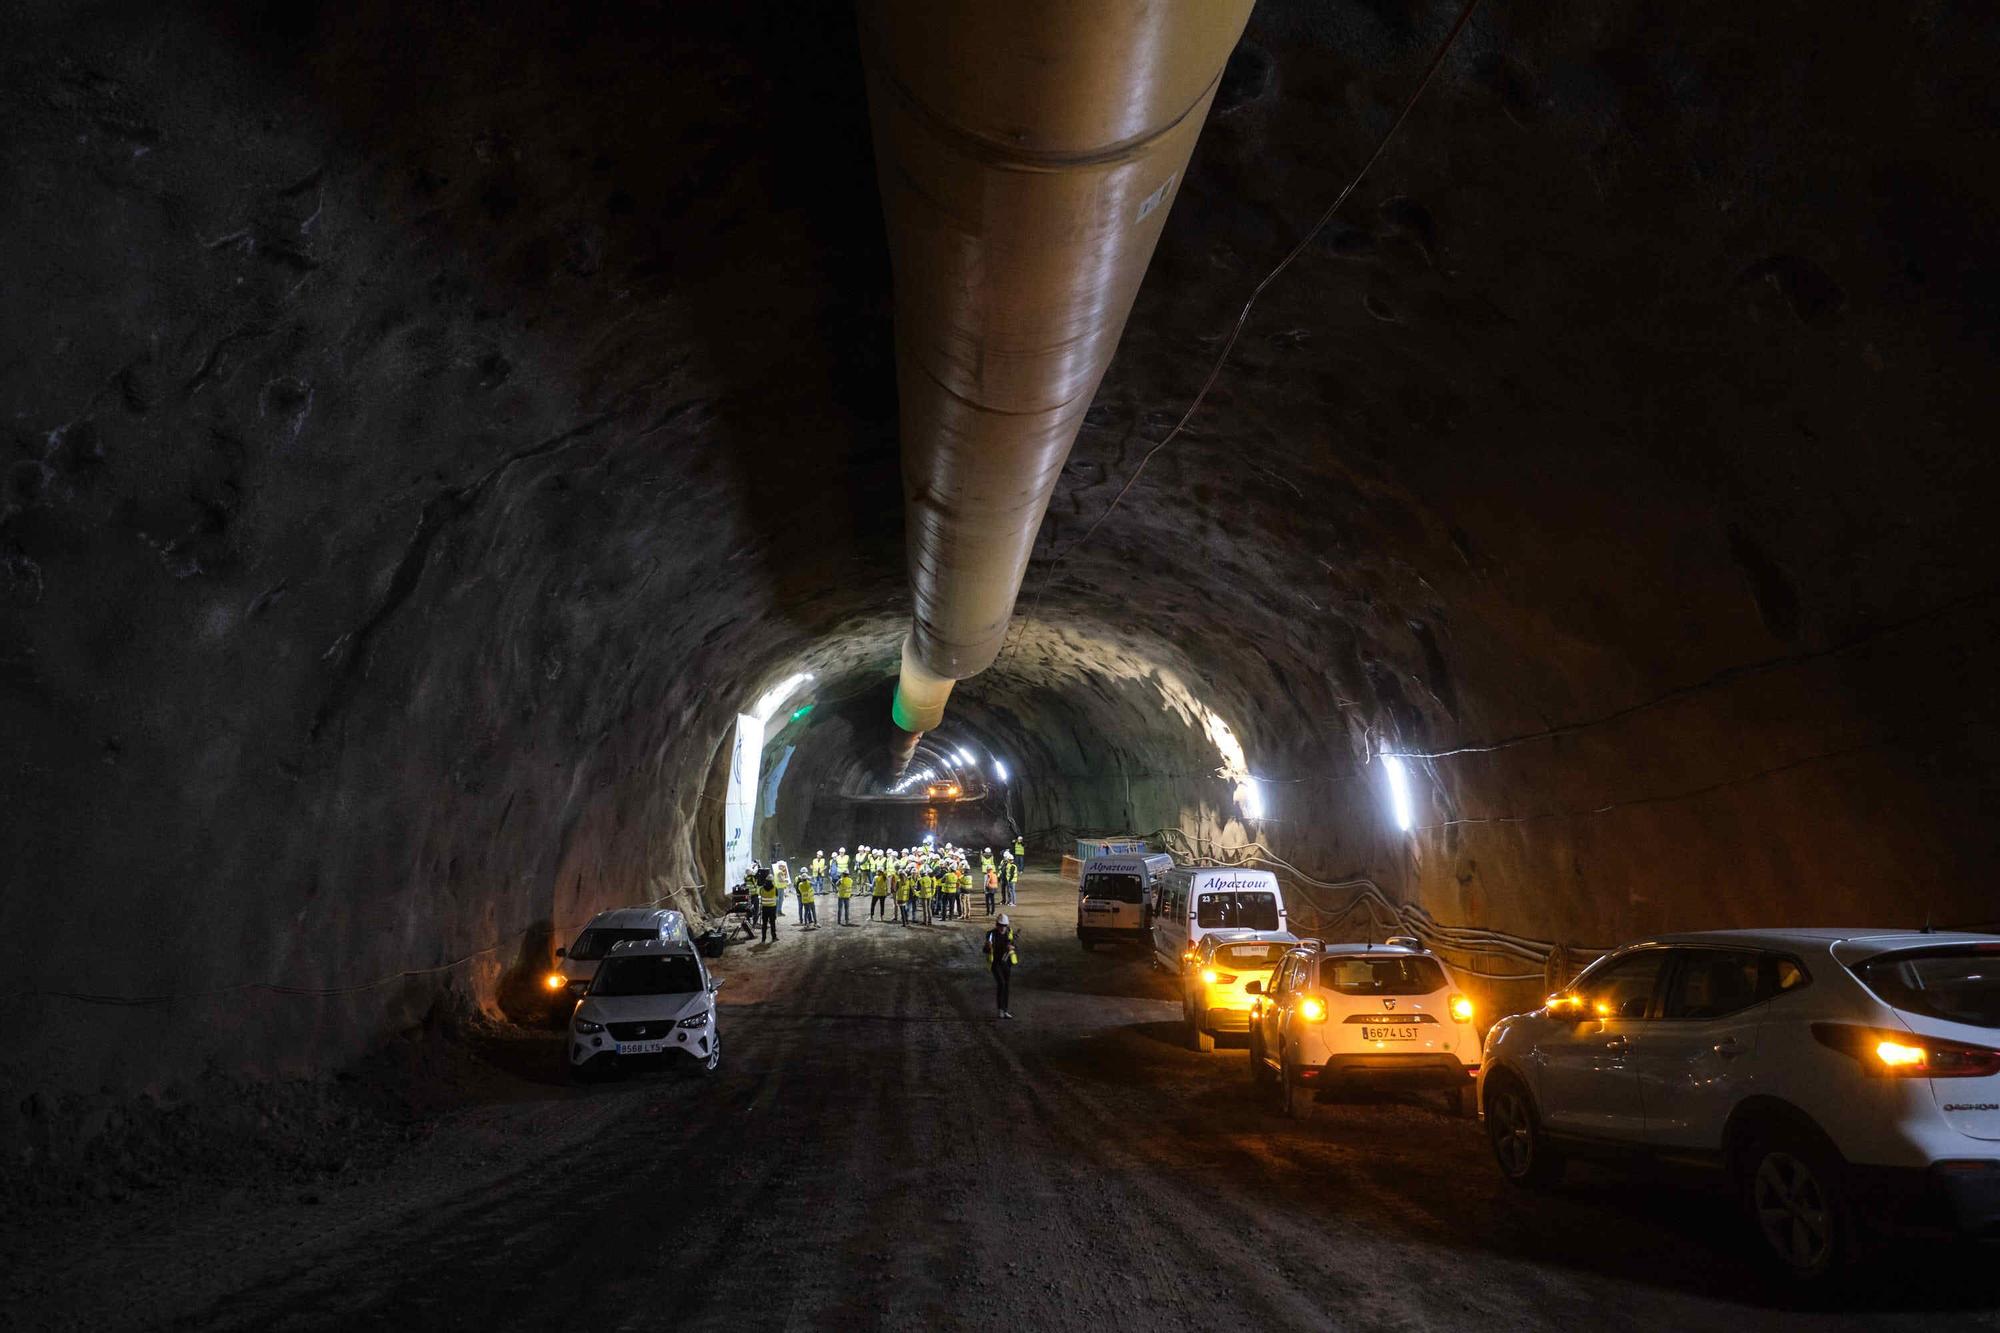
x: 426, y: 427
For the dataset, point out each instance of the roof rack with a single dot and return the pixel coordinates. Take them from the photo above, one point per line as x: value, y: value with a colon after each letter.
x: 1313, y: 943
x: 1407, y: 942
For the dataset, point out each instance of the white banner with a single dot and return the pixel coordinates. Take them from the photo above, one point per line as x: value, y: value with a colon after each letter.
x: 739, y: 811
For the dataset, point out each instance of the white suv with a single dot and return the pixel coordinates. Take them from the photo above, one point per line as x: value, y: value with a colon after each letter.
x: 1214, y: 998
x: 650, y: 1000
x: 1836, y: 1074
x: 565, y: 982
x: 1362, y: 1014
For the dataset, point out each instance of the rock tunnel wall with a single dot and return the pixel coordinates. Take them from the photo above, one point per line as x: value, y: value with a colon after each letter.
x: 423, y: 436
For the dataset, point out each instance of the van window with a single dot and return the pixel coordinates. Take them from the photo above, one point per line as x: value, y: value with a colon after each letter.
x: 1115, y: 888
x: 597, y: 941
x: 1251, y: 911
x: 1393, y: 975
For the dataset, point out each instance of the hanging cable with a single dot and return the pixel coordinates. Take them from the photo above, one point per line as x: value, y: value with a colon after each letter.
x: 1243, y: 315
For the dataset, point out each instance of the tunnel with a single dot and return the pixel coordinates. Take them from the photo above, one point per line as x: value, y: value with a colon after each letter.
x: 1540, y: 500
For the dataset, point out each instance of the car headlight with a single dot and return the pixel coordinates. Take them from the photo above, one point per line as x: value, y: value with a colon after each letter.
x: 585, y: 1025
x: 695, y: 1021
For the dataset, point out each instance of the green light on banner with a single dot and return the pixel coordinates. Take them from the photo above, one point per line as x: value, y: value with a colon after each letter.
x: 798, y: 713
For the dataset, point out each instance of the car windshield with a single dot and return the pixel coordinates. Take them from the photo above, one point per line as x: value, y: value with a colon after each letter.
x: 648, y: 974
x: 1249, y: 911
x: 1389, y: 975
x: 594, y: 943
x: 1117, y: 888
x: 1958, y: 985
x: 1249, y: 956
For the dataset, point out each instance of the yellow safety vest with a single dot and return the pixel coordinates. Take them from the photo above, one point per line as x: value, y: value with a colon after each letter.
x: 846, y: 889
x: 805, y: 891
x: 767, y: 895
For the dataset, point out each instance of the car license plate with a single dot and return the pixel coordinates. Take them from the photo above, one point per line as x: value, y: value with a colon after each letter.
x: 641, y: 1047
x: 1388, y: 1034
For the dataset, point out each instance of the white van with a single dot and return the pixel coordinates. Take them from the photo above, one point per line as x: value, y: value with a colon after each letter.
x: 1190, y: 902
x: 566, y: 982
x: 1113, y: 894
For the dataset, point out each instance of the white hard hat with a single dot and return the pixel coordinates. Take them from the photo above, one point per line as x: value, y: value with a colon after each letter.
x: 1002, y: 921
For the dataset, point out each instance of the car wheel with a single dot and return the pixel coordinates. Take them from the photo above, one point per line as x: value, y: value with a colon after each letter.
x: 713, y: 1061
x: 1260, y: 1073
x: 1792, y: 1191
x: 1519, y: 1145
x: 1288, y: 1091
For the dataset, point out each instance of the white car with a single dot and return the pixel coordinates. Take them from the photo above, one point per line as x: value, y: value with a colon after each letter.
x: 566, y: 981
x: 651, y: 1000
x: 1384, y: 1015
x: 1214, y: 1001
x: 1836, y: 1075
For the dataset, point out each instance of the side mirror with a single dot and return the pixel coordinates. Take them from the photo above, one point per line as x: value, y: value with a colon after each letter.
x: 562, y: 953
x: 1253, y: 988
x: 714, y: 985
x: 1568, y: 1007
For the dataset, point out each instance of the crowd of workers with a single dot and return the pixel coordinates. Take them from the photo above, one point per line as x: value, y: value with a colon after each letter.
x: 910, y: 886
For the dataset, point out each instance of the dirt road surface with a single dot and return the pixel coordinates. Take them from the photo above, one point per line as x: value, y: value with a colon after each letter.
x: 879, y: 1151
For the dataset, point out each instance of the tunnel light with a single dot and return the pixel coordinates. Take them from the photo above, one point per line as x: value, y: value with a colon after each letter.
x: 965, y: 757
x: 999, y: 770
x: 1399, y: 791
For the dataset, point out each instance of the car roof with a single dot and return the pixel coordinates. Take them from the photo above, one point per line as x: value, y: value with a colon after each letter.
x: 1854, y: 939
x: 1242, y: 935
x: 1393, y: 950
x: 650, y: 948
x: 633, y: 917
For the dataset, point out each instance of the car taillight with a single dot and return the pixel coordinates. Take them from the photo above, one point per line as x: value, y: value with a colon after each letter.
x: 1312, y: 1010
x: 1885, y: 1053
x: 1461, y: 1008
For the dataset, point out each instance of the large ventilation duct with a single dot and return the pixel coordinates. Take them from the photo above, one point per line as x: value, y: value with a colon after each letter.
x: 1028, y: 151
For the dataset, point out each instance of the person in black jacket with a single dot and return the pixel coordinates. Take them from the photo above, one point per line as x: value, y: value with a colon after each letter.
x: 1001, y: 956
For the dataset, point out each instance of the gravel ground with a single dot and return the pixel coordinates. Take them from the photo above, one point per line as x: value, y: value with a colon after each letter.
x: 878, y: 1151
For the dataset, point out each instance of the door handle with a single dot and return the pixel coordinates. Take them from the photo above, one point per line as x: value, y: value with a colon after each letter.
x: 1615, y: 1044
x: 1727, y: 1048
